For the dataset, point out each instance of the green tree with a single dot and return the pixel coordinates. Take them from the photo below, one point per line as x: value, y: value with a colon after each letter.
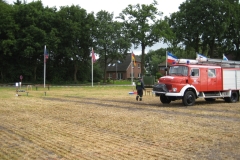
x: 111, y: 39
x: 144, y: 27
x: 30, y: 39
x: 232, y: 35
x: 200, y: 25
x: 153, y: 59
x: 75, y: 34
x: 7, y: 39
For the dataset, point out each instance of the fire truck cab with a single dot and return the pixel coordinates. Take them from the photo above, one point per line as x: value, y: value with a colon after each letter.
x: 193, y: 79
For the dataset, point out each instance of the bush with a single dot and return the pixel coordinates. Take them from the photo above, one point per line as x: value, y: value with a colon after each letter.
x: 158, y: 75
x: 108, y: 80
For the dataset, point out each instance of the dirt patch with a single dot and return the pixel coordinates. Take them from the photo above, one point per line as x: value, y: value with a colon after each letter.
x: 107, y: 123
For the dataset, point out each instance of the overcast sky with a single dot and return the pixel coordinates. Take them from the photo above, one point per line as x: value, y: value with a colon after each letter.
x: 115, y: 7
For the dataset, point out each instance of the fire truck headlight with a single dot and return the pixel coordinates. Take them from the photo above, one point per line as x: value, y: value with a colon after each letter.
x: 174, y: 89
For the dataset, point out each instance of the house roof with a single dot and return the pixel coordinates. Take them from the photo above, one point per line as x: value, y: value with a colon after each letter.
x: 121, y: 65
x: 163, y: 64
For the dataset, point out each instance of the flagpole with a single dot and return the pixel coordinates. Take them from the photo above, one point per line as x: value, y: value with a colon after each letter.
x: 44, y: 60
x: 92, y: 66
x: 92, y: 73
x: 166, y: 63
x: 132, y: 68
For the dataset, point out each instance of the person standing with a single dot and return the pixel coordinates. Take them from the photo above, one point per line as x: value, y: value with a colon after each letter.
x: 139, y: 87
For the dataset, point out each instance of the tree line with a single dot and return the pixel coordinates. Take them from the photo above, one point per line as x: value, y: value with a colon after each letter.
x: 211, y: 28
x: 70, y: 34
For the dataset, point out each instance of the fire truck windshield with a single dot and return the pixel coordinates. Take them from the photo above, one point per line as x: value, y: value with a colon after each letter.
x: 178, y: 70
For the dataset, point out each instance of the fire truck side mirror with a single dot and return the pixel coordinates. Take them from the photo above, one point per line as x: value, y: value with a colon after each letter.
x: 193, y: 74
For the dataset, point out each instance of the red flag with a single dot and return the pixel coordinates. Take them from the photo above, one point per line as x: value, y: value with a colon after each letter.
x: 45, y: 54
x: 133, y: 59
x: 93, y: 56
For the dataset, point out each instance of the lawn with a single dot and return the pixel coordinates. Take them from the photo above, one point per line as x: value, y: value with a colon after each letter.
x: 106, y: 122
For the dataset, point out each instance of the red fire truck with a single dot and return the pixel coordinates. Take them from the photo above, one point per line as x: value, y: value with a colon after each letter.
x: 192, y: 79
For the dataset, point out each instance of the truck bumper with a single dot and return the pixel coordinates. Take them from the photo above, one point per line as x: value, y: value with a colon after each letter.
x: 174, y: 94
x: 168, y: 94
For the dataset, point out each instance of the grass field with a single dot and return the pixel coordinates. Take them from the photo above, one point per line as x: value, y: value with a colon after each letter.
x: 108, y: 123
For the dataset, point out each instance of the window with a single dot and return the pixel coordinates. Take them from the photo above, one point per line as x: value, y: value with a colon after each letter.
x: 139, y: 75
x: 138, y: 65
x: 162, y: 68
x: 178, y: 70
x: 120, y: 75
x: 211, y: 73
x: 195, y: 72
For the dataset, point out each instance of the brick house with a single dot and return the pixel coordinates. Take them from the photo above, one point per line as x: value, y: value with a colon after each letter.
x: 162, y: 67
x: 122, y: 69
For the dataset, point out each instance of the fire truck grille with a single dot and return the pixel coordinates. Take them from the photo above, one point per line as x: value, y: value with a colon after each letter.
x: 160, y: 88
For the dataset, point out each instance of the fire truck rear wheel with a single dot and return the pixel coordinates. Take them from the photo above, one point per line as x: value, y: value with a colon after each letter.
x: 189, y: 98
x: 164, y: 99
x: 233, y: 99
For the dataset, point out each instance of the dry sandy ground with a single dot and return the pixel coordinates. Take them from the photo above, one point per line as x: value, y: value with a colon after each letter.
x: 108, y: 123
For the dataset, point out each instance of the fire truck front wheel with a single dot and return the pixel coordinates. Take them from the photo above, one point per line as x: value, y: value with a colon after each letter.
x: 164, y: 99
x: 188, y: 98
